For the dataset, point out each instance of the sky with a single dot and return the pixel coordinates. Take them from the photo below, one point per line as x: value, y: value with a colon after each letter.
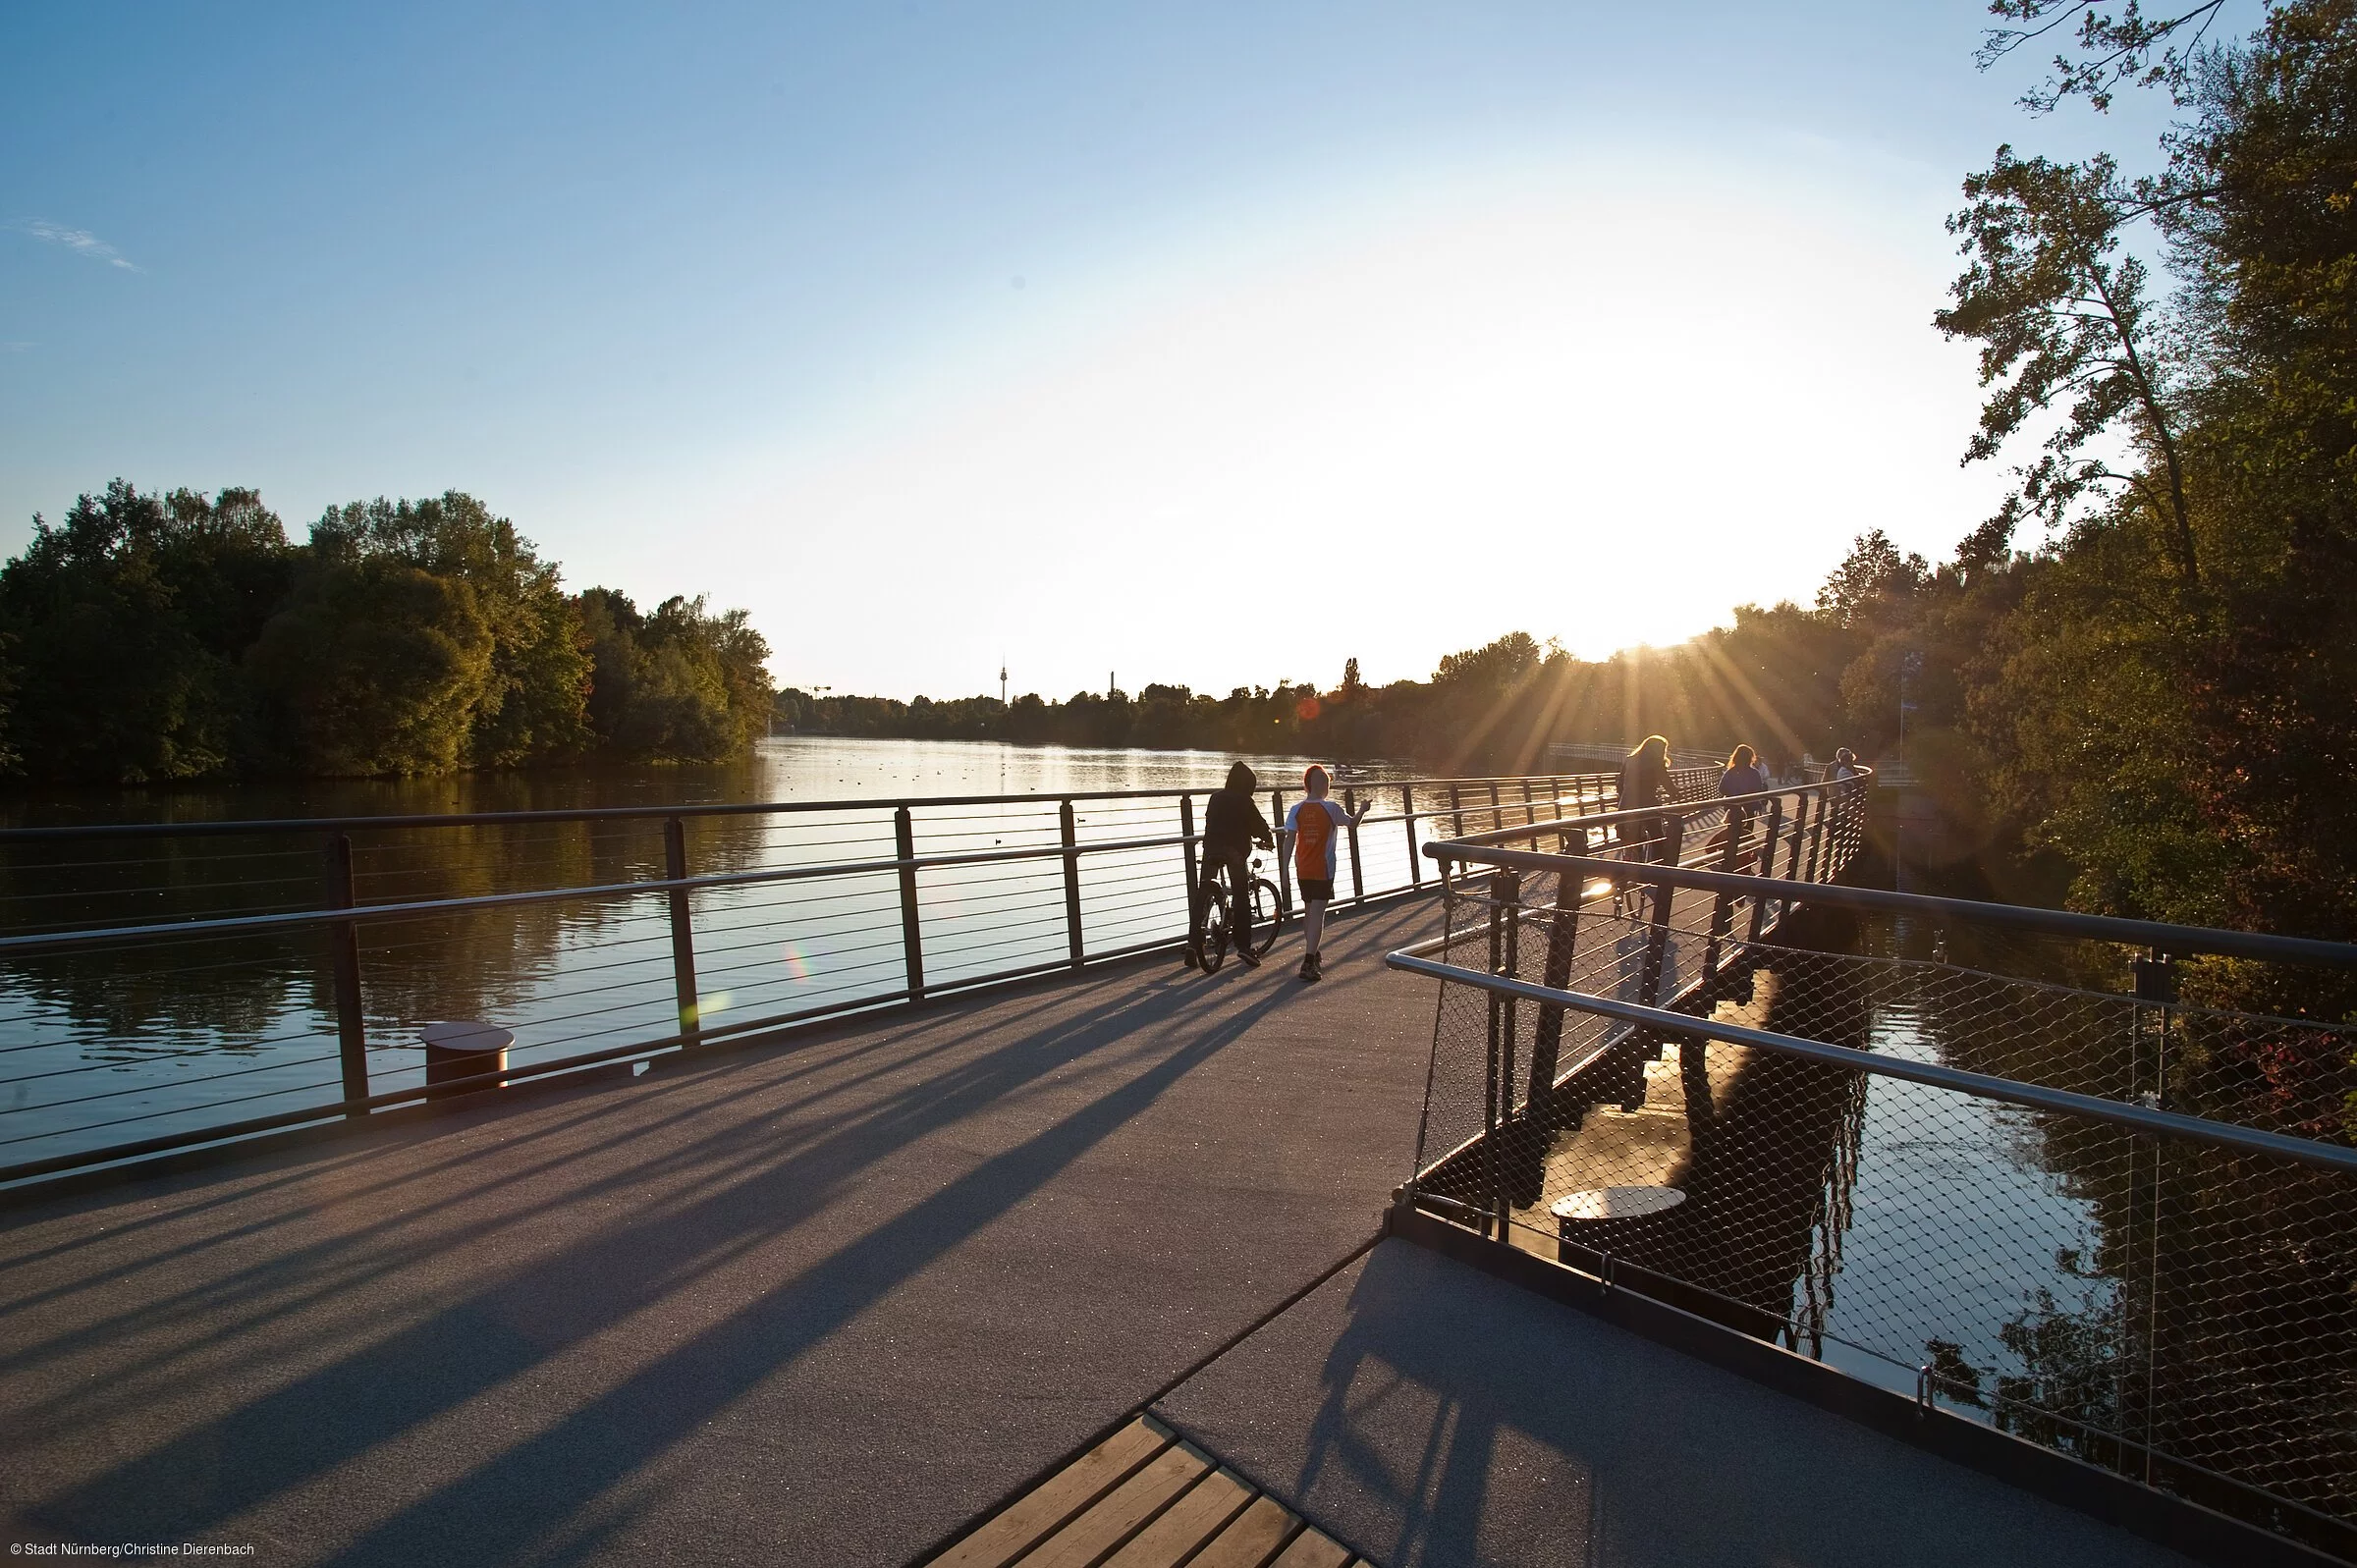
x: 1210, y: 345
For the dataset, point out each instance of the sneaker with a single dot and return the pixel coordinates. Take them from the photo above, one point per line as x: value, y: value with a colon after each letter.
x: 1194, y: 959
x: 1312, y: 968
x: 1251, y: 959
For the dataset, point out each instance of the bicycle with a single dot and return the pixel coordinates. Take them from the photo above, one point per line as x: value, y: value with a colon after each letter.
x: 1267, y: 913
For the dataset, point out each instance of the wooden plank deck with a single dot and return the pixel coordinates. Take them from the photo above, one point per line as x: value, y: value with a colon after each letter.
x: 1145, y: 1498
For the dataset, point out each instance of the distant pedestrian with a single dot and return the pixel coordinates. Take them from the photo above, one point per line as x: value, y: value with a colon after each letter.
x: 1231, y: 826
x: 1845, y: 764
x: 1744, y: 777
x: 1645, y: 782
x: 1315, y: 826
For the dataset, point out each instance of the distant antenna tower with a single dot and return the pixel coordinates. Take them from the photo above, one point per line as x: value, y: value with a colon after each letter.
x: 1111, y: 686
x: 1002, y: 680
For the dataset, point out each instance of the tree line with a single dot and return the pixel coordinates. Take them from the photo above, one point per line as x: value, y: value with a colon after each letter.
x: 1773, y: 679
x: 147, y: 637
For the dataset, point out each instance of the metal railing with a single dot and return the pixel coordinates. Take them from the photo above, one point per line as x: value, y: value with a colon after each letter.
x: 170, y: 984
x: 1981, y: 1156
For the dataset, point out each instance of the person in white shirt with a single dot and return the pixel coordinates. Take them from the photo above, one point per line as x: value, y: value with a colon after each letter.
x: 1315, y: 826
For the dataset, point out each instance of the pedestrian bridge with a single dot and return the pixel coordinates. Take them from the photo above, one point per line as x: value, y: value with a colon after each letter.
x: 1120, y: 1263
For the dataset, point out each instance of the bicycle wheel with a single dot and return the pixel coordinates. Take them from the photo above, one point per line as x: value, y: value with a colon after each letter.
x: 1267, y: 915
x: 1215, y: 925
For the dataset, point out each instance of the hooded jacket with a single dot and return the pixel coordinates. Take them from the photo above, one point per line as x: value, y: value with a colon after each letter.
x: 1231, y: 820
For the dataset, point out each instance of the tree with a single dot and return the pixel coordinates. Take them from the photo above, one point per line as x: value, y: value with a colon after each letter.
x: 376, y: 667
x: 533, y: 705
x: 2060, y: 315
x: 677, y: 685
x: 123, y: 628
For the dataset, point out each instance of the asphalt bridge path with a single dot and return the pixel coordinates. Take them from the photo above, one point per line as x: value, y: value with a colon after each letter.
x: 817, y: 1302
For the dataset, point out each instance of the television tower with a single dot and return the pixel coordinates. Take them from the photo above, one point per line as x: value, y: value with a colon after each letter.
x: 1002, y: 680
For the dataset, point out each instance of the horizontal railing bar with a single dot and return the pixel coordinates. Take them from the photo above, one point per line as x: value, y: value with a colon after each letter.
x: 236, y: 925
x: 2152, y: 934
x: 1981, y: 1085
x: 485, y: 819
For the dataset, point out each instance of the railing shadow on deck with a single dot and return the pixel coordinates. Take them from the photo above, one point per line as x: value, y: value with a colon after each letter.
x: 739, y: 1186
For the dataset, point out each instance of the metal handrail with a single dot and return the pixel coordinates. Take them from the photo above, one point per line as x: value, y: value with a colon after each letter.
x: 2135, y: 1117
x: 2158, y: 935
x: 231, y: 925
x: 730, y: 808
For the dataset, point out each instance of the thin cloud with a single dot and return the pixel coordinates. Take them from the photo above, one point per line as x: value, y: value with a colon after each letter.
x: 79, y: 240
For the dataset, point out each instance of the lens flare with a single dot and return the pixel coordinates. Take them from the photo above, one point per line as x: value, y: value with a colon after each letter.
x: 797, y: 967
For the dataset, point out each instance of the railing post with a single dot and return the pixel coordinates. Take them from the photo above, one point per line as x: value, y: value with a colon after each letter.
x: 1530, y: 810
x: 1722, y: 905
x: 1071, y: 880
x: 344, y: 965
x: 1800, y: 837
x: 1825, y: 808
x: 913, y: 938
x: 1657, y: 952
x: 1456, y: 811
x: 1359, y: 881
x: 1767, y: 865
x: 1562, y: 942
x: 1284, y: 860
x: 1489, y: 1098
x: 683, y: 929
x: 1187, y: 842
x: 1407, y: 825
x: 1496, y: 809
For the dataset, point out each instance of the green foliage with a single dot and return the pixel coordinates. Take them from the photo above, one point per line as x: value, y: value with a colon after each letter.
x: 124, y: 627
x: 156, y: 637
x: 678, y: 685
x: 533, y: 704
x: 376, y: 667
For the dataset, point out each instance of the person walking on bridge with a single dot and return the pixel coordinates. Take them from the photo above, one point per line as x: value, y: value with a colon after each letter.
x: 1644, y: 782
x: 1231, y: 826
x: 1744, y: 777
x: 1315, y: 826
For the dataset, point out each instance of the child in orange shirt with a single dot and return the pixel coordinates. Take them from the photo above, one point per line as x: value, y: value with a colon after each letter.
x: 1315, y: 826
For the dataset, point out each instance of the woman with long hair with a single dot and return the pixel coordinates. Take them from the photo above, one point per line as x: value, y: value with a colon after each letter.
x: 1645, y: 782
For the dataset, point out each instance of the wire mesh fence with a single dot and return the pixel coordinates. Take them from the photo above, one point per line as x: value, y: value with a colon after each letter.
x: 2101, y: 1220
x: 169, y: 983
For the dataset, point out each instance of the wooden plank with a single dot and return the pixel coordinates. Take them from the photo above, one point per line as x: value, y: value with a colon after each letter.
x: 1186, y: 1524
x: 1056, y: 1503
x: 1122, y: 1512
x: 1252, y: 1538
x: 1311, y: 1549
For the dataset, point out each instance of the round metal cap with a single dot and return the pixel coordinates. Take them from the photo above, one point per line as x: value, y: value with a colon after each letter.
x: 464, y: 1035
x: 1616, y: 1203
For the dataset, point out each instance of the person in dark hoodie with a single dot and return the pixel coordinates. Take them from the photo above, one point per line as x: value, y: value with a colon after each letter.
x: 1231, y: 826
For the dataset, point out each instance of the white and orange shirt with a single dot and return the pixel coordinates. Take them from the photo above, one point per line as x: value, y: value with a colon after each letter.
x: 1316, y: 827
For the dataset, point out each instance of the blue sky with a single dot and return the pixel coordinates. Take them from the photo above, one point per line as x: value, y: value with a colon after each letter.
x: 1210, y: 344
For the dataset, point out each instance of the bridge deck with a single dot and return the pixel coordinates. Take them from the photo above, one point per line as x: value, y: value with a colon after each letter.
x: 818, y: 1301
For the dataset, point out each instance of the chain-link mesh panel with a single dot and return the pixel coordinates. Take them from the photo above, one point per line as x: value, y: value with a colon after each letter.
x: 2166, y: 1307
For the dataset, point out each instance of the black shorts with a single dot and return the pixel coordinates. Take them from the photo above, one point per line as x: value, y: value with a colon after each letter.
x: 1319, y: 887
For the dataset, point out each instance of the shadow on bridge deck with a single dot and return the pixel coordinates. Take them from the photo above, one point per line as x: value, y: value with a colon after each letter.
x: 1433, y: 1417
x: 817, y: 1302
